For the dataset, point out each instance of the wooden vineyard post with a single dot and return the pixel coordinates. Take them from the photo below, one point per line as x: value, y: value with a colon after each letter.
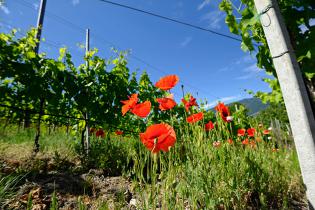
x: 293, y: 89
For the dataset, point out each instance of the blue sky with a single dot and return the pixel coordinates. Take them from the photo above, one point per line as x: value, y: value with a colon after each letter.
x: 212, y: 66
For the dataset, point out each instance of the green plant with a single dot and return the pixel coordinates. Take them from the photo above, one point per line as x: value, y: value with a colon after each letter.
x: 244, y: 20
x: 81, y: 205
x: 29, y: 201
x: 273, y: 112
x: 54, y: 202
x: 109, y: 154
x: 61, y: 163
x: 192, y: 167
x: 8, y: 185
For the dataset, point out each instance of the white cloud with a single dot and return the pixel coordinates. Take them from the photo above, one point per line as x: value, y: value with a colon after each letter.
x: 214, y: 19
x: 5, y: 9
x: 244, y: 59
x: 244, y: 77
x: 203, y: 4
x: 75, y: 2
x: 186, y: 41
x: 224, y: 100
x: 178, y: 10
x: 35, y: 5
x: 250, y: 71
x: 237, y: 64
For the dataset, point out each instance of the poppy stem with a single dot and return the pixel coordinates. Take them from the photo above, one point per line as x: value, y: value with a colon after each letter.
x: 153, y: 179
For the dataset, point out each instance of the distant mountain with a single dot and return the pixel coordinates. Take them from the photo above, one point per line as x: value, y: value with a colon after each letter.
x: 254, y: 105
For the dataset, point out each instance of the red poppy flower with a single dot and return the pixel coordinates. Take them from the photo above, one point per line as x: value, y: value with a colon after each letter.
x: 241, y: 132
x: 119, y: 132
x: 195, y: 117
x: 275, y: 150
x: 209, y: 126
x: 230, y: 141
x: 165, y: 103
x: 245, y: 142
x: 266, y: 132
x: 167, y: 82
x: 223, y: 110
x: 158, y: 137
x: 252, y: 144
x: 142, y: 110
x: 92, y: 130
x: 216, y: 144
x: 129, y: 104
x: 251, y: 132
x: 190, y: 103
x: 100, y: 133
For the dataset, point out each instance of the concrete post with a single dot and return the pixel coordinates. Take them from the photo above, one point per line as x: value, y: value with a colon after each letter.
x: 293, y: 89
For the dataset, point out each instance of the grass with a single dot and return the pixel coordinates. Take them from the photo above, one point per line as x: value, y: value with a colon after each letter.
x: 18, y: 144
x: 194, y: 174
x: 228, y: 177
x: 8, y: 185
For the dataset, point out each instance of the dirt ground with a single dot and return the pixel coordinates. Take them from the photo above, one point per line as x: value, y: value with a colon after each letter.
x: 91, y: 189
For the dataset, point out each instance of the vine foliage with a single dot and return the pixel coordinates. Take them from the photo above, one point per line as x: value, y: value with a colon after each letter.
x: 244, y: 20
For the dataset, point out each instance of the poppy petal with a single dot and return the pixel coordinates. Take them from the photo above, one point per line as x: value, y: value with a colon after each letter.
x: 124, y: 109
x: 209, y: 126
x: 154, y: 131
x: 129, y: 104
x: 241, y: 132
x: 158, y: 137
x: 167, y: 82
x: 223, y: 110
x: 195, y: 117
x: 191, y: 102
x: 145, y: 140
x: 165, y: 103
x: 142, y: 110
x: 119, y: 132
x: 266, y: 132
x: 251, y: 132
x: 100, y: 133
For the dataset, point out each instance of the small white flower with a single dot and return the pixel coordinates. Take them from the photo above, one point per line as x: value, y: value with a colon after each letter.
x: 270, y: 128
x: 216, y: 144
x: 133, y: 202
x: 229, y: 118
x: 269, y: 137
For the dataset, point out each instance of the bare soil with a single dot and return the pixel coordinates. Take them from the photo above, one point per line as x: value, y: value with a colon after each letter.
x: 91, y: 188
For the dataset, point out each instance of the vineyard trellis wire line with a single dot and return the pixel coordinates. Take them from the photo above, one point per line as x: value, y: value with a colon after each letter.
x: 33, y: 111
x: 46, y: 42
x: 57, y: 46
x: 111, y: 44
x: 35, y: 120
x: 172, y: 20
